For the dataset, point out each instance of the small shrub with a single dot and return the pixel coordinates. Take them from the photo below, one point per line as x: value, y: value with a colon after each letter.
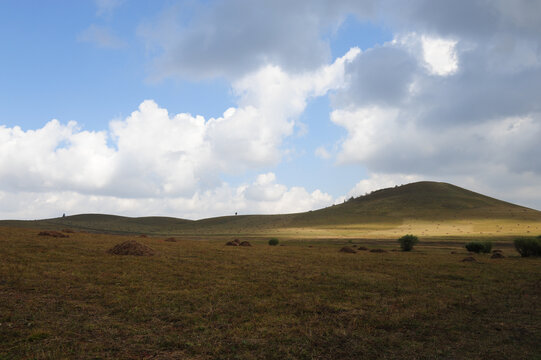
x: 479, y: 246
x: 528, y: 247
x: 474, y: 246
x: 407, y: 242
x: 273, y: 242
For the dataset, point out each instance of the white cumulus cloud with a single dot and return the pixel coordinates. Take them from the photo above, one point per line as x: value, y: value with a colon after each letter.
x: 439, y: 55
x: 155, y: 158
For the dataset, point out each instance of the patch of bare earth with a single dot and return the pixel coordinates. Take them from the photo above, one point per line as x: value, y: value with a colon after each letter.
x: 55, y: 234
x: 348, y: 250
x: 131, y: 247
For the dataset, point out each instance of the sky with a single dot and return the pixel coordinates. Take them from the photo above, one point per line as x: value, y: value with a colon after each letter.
x: 200, y: 108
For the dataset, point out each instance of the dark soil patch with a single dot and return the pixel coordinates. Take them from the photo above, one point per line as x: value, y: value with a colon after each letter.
x: 245, y: 243
x: 362, y: 248
x: 131, y: 247
x: 469, y: 259
x: 497, y: 255
x: 347, y: 249
x: 231, y: 243
x: 68, y: 231
x: 171, y: 239
x: 497, y: 251
x: 378, y: 251
x: 55, y: 234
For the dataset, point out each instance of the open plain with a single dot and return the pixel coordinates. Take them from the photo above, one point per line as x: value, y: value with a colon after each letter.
x: 193, y: 297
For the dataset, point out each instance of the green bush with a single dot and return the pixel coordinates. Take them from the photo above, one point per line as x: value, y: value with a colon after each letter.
x: 407, y: 242
x: 528, y: 247
x: 273, y: 242
x: 478, y: 246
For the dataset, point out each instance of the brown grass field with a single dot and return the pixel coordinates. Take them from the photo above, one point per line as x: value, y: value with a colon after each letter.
x: 67, y: 298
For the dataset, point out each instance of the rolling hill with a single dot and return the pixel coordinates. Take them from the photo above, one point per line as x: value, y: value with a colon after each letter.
x: 426, y: 208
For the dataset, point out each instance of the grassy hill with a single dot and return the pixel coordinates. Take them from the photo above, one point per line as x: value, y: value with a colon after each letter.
x: 420, y: 201
x: 426, y: 208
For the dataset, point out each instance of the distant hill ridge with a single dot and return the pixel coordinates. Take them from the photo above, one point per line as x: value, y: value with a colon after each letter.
x: 423, y: 201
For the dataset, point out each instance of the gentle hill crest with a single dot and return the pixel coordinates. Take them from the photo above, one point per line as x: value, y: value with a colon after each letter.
x: 421, y: 203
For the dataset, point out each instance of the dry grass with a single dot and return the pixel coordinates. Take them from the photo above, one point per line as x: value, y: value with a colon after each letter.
x: 68, y: 298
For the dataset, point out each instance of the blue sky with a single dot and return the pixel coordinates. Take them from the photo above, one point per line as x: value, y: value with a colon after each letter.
x: 203, y: 108
x: 64, y: 77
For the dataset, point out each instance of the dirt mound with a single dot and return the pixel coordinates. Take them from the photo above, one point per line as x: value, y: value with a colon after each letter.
x: 131, y: 247
x: 245, y: 243
x: 68, y: 231
x: 55, y: 234
x: 171, y: 239
x: 231, y: 243
x: 378, y: 251
x: 347, y: 249
x: 143, y: 236
x: 236, y: 241
x: 497, y: 255
x: 362, y: 248
x: 469, y: 259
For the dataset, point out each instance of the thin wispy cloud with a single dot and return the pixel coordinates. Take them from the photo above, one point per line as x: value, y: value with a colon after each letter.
x: 100, y: 36
x: 105, y: 8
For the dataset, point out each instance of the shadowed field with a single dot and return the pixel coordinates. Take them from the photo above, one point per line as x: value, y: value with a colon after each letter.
x: 69, y: 298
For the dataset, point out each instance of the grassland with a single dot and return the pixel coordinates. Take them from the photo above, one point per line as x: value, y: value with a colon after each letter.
x: 198, y: 299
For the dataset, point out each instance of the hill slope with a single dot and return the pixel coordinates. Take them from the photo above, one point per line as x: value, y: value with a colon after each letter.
x: 424, y: 200
x: 393, y: 208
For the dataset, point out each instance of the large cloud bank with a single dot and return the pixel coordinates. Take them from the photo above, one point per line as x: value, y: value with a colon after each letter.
x: 153, y: 162
x: 455, y: 96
